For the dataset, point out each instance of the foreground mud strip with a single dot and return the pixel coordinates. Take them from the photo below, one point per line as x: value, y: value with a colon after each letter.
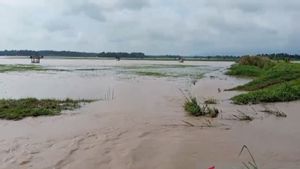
x: 144, y: 126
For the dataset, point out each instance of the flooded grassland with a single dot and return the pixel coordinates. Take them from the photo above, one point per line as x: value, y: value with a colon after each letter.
x: 138, y: 120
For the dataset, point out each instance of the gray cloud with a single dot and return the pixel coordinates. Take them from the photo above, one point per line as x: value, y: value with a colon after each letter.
x: 152, y: 26
x: 91, y: 10
x: 134, y: 4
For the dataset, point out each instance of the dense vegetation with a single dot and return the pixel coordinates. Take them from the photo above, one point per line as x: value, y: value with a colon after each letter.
x: 273, y: 81
x: 11, y: 109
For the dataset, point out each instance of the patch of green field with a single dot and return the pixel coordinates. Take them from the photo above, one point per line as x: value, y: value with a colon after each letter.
x: 17, y: 109
x: 149, y: 73
x: 192, y: 71
x: 277, y: 93
x: 276, y: 83
x: 244, y: 71
x: 194, y: 75
x: 280, y: 73
x: 19, y: 68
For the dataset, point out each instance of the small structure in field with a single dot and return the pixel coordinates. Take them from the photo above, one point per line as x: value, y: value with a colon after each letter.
x: 118, y: 58
x: 36, y: 58
x: 180, y: 59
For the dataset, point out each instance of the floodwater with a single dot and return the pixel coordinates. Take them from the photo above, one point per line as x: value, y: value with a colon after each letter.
x: 139, y: 122
x: 89, y: 79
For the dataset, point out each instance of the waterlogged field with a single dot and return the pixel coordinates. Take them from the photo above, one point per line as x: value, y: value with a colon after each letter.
x: 134, y: 117
x: 87, y: 79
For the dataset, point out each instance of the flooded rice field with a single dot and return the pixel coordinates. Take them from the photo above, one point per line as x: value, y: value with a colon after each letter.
x: 139, y: 121
x: 90, y: 79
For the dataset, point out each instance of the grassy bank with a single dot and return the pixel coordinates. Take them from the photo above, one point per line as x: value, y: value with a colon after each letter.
x: 272, y: 81
x: 19, y: 68
x: 12, y: 109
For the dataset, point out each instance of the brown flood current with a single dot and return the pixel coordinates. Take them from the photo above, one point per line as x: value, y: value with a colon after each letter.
x: 141, y: 124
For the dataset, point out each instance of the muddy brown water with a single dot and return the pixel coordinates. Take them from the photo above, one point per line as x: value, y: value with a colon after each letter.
x: 140, y: 123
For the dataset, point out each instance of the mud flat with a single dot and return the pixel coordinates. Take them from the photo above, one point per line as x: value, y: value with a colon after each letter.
x: 144, y: 126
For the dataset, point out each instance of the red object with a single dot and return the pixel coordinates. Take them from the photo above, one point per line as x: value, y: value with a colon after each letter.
x: 213, y: 167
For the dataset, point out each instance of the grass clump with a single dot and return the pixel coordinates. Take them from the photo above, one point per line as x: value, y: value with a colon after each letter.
x: 191, y: 106
x: 19, y: 68
x: 273, y: 82
x: 17, y: 109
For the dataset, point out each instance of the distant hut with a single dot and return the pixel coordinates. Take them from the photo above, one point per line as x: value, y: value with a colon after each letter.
x: 36, y: 58
x: 180, y: 59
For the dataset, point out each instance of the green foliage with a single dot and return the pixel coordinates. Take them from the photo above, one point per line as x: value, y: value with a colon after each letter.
x: 17, y: 68
x: 273, y: 83
x: 191, y: 105
x: 258, y: 61
x: 282, y: 72
x: 244, y: 70
x: 12, y: 109
x: 281, y: 92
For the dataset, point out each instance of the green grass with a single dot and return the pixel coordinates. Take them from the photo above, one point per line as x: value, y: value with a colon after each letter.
x: 280, y: 73
x: 192, y: 107
x: 244, y: 71
x: 17, y: 109
x: 19, y: 68
x: 277, y: 83
x: 277, y: 93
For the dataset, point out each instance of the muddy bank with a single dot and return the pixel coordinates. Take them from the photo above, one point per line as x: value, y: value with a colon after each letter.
x: 143, y: 126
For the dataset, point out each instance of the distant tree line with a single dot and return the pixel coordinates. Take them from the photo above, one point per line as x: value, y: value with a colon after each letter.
x: 46, y: 53
x: 121, y: 55
x: 281, y: 56
x: 137, y: 55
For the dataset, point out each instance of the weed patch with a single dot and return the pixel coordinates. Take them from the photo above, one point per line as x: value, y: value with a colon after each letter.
x: 12, y: 109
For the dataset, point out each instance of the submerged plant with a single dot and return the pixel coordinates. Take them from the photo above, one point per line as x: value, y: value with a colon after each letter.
x: 19, y: 68
x: 243, y: 117
x: 276, y: 112
x: 195, y: 109
x: 250, y: 164
x: 192, y: 107
x: 210, y: 101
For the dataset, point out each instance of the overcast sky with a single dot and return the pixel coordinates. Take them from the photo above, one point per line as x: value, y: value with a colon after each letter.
x: 187, y: 27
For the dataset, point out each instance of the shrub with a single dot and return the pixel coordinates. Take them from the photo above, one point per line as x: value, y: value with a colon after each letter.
x: 258, y: 61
